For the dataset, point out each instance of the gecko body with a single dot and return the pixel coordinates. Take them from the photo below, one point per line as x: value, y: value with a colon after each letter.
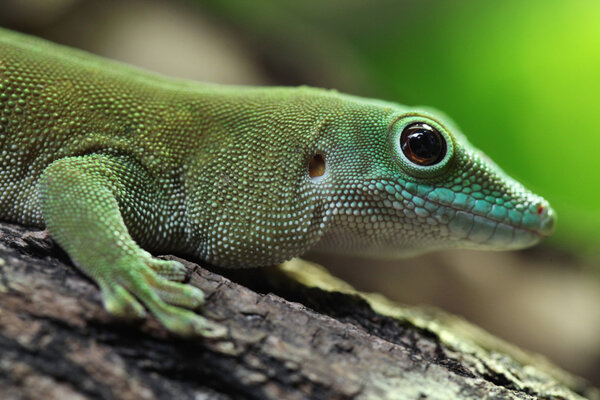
x: 118, y: 163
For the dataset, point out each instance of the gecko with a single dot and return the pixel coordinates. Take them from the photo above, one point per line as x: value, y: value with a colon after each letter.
x: 118, y: 164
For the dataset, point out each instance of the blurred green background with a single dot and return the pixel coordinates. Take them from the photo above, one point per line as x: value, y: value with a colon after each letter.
x: 521, y: 78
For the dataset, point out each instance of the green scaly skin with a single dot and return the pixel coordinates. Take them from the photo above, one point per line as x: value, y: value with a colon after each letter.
x: 117, y: 163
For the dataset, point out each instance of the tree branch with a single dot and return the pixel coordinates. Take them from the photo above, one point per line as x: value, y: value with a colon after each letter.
x: 293, y: 333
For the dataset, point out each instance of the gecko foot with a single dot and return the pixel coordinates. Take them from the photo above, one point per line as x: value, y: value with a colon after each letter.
x: 133, y: 282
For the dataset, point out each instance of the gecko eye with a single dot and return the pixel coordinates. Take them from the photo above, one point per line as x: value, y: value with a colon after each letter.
x: 422, y: 144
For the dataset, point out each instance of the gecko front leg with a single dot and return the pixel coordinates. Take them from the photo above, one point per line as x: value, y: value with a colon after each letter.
x: 80, y: 199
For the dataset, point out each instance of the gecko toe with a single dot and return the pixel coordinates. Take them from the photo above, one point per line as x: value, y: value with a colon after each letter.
x: 169, y: 269
x: 180, y: 295
x: 121, y: 303
x: 186, y: 323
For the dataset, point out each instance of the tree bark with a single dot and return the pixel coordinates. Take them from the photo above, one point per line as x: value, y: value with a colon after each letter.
x: 294, y: 332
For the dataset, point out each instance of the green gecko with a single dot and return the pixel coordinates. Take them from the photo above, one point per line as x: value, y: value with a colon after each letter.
x: 118, y: 163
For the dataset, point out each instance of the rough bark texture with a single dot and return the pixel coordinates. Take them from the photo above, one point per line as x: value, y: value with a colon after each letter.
x: 316, y: 338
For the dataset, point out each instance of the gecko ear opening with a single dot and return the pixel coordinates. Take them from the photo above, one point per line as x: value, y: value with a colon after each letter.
x: 317, y: 166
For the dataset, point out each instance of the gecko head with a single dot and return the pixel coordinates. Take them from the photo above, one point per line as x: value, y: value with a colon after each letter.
x: 407, y: 181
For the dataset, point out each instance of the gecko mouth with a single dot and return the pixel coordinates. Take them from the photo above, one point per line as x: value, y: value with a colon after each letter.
x: 486, y: 232
x: 518, y: 229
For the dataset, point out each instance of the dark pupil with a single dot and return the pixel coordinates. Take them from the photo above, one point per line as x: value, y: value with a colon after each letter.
x: 423, y: 144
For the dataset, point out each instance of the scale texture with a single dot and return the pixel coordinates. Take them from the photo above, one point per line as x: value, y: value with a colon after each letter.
x: 117, y: 163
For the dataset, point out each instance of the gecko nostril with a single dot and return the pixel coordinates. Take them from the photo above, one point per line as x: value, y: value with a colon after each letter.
x: 540, y: 208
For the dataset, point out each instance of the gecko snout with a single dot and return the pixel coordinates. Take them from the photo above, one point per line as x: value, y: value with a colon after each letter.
x: 547, y: 218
